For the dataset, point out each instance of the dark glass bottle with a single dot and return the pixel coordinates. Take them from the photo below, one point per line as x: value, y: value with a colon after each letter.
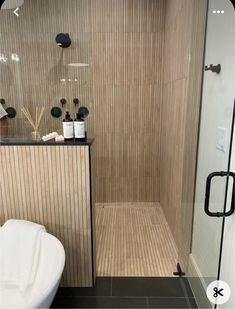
x: 68, y: 130
x: 79, y: 128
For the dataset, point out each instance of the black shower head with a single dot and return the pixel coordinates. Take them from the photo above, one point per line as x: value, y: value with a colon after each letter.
x: 63, y: 40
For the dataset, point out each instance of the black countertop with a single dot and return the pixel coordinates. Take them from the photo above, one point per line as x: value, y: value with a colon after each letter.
x: 30, y: 142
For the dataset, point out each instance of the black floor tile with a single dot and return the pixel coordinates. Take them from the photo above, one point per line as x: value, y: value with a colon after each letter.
x: 102, y: 288
x: 132, y: 292
x: 163, y: 302
x: 148, y: 287
x: 99, y: 302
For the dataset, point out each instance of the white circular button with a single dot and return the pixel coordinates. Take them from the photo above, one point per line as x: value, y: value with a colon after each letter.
x: 218, y: 292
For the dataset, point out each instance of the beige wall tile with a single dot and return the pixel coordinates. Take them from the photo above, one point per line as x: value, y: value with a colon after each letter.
x: 122, y: 40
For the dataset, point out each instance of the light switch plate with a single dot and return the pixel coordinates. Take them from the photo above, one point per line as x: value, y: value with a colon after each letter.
x: 222, y: 137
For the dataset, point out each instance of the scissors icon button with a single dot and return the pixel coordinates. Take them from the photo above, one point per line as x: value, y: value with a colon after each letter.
x: 217, y: 292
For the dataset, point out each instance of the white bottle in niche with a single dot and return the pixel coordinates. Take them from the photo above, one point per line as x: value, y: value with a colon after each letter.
x: 79, y: 128
x: 68, y: 130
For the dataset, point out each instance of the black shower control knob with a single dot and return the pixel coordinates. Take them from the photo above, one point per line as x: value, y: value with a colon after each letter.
x: 2, y: 101
x: 76, y: 101
x: 83, y: 111
x: 56, y: 112
x: 63, y: 40
x: 63, y: 101
x: 11, y: 111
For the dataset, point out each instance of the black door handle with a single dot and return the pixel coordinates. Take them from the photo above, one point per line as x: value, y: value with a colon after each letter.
x: 207, y: 197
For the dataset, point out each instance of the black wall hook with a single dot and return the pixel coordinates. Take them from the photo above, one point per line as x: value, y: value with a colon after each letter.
x: 63, y: 101
x: 213, y: 68
x: 76, y: 101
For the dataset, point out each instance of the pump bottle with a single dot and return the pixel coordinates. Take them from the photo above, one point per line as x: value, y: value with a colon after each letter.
x: 68, y: 130
x: 79, y: 128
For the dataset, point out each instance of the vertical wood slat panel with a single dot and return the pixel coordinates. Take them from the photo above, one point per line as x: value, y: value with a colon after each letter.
x: 191, y: 131
x: 122, y: 40
x: 127, y: 49
x: 184, y: 41
x: 134, y: 240
x: 177, y: 46
x: 50, y: 185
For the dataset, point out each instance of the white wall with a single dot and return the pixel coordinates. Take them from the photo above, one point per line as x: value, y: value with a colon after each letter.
x: 217, y: 106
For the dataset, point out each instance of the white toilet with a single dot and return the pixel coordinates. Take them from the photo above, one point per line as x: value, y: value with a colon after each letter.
x: 40, y: 294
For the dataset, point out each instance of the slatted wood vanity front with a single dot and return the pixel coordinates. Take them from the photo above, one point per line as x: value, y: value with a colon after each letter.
x: 51, y: 184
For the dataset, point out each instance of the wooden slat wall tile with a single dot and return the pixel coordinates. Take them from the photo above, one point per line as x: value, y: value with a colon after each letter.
x: 177, y: 46
x: 127, y: 51
x: 133, y: 239
x: 51, y: 186
x: 184, y: 43
x: 123, y: 42
x: 191, y: 131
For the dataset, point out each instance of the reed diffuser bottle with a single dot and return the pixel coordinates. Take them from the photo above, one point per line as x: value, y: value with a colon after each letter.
x: 36, y: 135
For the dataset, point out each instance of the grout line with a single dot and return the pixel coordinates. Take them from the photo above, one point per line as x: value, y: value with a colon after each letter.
x: 147, y: 301
x: 126, y: 297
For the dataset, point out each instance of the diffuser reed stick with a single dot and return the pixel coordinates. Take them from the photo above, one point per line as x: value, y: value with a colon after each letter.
x: 38, y: 117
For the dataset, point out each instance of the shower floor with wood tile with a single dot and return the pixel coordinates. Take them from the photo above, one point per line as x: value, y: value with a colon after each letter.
x: 133, y: 239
